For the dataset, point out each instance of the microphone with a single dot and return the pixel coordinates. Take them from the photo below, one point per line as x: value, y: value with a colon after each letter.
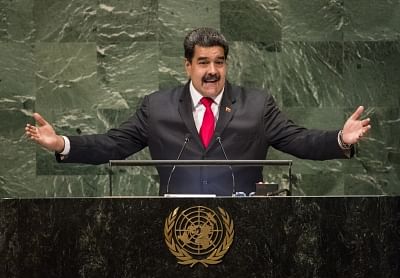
x: 187, y: 138
x: 230, y: 166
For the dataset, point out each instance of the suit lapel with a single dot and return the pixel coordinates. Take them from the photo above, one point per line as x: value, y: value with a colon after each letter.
x: 226, y: 112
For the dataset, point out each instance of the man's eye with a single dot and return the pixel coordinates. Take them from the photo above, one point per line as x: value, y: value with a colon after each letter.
x: 203, y: 62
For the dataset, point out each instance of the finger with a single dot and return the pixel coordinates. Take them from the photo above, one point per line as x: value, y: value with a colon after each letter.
x: 27, y: 133
x: 367, y: 128
x: 28, y: 129
x: 32, y: 131
x: 364, y: 131
x: 34, y: 138
x: 32, y: 135
x: 31, y: 128
x: 356, y: 115
x: 39, y: 119
x: 365, y: 122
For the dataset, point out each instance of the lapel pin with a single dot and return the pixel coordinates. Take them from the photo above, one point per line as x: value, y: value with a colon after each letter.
x: 227, y: 109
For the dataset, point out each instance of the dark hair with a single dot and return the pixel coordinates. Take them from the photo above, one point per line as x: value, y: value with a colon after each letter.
x: 205, y: 37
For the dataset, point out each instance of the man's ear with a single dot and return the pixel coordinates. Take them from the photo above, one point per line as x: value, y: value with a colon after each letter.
x: 188, y: 66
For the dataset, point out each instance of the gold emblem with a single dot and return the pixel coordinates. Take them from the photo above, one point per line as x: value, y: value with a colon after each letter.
x: 198, y: 235
x: 228, y: 109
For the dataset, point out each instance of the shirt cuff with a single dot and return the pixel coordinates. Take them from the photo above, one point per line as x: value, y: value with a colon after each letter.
x: 342, y: 145
x: 67, y: 146
x: 345, y: 147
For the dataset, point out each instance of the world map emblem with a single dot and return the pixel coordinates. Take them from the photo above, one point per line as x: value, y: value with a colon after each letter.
x: 198, y: 235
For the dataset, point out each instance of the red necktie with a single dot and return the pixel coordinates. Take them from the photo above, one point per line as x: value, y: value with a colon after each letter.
x: 207, y: 126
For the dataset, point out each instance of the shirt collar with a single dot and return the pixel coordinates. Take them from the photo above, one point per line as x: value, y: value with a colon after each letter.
x: 196, y: 96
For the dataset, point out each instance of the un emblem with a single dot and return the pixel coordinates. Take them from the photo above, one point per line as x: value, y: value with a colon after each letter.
x: 198, y: 235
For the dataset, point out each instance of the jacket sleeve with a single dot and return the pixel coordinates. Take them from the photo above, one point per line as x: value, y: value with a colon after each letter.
x: 117, y: 143
x: 284, y: 135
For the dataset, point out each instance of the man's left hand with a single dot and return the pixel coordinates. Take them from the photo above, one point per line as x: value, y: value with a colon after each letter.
x: 354, y: 129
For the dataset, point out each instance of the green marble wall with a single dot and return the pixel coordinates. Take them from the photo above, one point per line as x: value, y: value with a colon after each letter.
x: 85, y: 65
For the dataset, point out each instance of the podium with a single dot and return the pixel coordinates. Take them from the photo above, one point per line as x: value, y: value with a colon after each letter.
x: 272, y: 237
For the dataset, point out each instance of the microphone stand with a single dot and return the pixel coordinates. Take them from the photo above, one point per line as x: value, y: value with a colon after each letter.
x: 230, y: 166
x: 174, y: 166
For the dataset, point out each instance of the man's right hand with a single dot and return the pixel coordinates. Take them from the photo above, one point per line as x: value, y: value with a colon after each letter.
x: 44, y: 134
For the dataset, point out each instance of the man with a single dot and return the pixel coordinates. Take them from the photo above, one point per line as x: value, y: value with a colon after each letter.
x: 197, y: 119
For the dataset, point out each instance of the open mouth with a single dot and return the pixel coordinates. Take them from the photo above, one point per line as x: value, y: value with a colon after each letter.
x: 211, y: 79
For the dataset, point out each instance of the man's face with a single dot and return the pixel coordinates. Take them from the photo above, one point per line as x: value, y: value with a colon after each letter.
x: 207, y: 70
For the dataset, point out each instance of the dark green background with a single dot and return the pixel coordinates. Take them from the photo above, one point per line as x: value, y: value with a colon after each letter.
x: 86, y: 65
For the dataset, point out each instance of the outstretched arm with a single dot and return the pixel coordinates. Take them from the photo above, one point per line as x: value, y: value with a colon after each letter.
x: 354, y: 129
x: 44, y: 134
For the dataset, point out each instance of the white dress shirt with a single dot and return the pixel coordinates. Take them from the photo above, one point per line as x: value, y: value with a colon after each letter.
x: 199, y: 109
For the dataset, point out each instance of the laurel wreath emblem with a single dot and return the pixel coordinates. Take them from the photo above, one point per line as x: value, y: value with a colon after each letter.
x: 184, y: 258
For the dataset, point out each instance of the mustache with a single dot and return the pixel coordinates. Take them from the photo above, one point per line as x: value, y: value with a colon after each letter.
x: 211, y: 78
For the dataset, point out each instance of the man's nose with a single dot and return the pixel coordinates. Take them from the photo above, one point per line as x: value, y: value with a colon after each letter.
x: 212, y: 68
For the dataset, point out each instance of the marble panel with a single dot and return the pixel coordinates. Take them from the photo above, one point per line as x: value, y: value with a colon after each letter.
x: 372, y: 20
x: 312, y: 74
x: 315, y: 20
x: 319, y: 183
x: 86, y: 66
x: 18, y: 166
x: 135, y: 181
x: 127, y: 21
x: 64, y: 21
x: 371, y: 71
x: 17, y: 79
x: 256, y: 65
x: 59, y: 185
x: 66, y: 76
x: 16, y: 23
x: 254, y: 20
x: 67, y: 94
x: 177, y: 18
x: 17, y: 101
x: 171, y: 64
x: 127, y: 72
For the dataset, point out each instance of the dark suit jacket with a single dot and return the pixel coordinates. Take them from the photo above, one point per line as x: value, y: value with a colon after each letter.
x: 249, y: 122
